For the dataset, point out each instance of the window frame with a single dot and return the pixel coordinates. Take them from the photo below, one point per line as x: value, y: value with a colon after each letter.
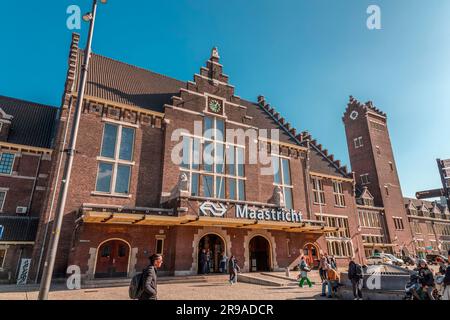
x: 358, y: 142
x: 2, y: 262
x: 339, y: 195
x: 283, y: 185
x: 157, y: 239
x: 2, y: 205
x: 199, y: 170
x: 365, y: 181
x: 318, y: 193
x: 116, y: 161
x: 12, y: 164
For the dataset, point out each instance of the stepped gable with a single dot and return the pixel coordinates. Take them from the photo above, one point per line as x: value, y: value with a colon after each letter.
x: 321, y: 160
x: 354, y: 104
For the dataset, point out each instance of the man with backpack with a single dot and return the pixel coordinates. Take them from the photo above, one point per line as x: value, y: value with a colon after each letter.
x: 355, y: 275
x: 144, y: 285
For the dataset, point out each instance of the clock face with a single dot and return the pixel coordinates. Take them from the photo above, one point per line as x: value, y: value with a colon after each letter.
x: 215, y: 106
x: 354, y: 115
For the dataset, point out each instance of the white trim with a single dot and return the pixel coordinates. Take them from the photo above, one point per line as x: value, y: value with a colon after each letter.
x: 116, y: 161
x: 217, y: 81
x: 121, y: 123
x: 160, y: 238
x: 192, y: 92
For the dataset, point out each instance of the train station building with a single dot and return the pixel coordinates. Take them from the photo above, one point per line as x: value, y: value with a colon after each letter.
x: 174, y: 167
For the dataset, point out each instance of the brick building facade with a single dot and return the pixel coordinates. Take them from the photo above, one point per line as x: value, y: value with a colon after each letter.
x: 157, y: 171
x: 26, y: 133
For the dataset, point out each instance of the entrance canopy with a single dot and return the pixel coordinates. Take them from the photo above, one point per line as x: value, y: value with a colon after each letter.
x: 163, y: 217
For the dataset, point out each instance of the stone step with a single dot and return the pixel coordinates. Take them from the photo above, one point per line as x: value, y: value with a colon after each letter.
x: 123, y: 282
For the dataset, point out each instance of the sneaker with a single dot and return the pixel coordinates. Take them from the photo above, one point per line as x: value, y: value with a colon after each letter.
x: 356, y: 299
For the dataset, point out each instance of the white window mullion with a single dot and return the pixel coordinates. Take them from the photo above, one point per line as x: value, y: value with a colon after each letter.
x: 116, y: 157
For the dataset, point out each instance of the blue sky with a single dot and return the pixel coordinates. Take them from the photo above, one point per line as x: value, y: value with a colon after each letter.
x: 305, y: 57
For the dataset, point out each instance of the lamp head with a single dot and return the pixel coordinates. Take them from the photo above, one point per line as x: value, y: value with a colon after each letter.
x: 87, y: 17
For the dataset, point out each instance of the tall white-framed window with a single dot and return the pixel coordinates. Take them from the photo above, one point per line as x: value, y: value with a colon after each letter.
x: 3, y: 193
x: 7, y: 162
x: 339, y: 198
x: 339, y: 242
x: 282, y: 178
x: 216, y: 168
x: 116, y: 160
x: 358, y: 142
x: 318, y: 190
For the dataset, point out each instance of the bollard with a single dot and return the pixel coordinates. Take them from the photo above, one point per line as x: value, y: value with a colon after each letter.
x: 288, y: 273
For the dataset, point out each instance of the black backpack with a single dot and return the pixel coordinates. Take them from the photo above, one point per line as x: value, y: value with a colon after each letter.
x: 136, y: 286
x: 358, y: 271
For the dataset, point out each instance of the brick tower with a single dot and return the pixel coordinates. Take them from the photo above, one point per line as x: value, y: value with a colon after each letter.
x: 372, y: 160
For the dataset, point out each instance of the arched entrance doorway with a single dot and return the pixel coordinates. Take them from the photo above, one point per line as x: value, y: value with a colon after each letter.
x: 112, y: 259
x: 312, y: 255
x: 210, y: 249
x: 259, y: 254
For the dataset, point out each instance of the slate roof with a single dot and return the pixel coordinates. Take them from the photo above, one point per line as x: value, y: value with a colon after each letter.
x: 33, y: 123
x: 18, y: 228
x: 123, y: 83
x: 119, y: 82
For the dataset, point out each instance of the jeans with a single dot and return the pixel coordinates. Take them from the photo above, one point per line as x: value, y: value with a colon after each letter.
x: 429, y: 291
x: 446, y: 294
x: 356, y: 285
x: 233, y: 276
x: 330, y: 284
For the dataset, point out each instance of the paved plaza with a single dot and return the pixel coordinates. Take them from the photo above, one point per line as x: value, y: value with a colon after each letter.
x: 214, y: 290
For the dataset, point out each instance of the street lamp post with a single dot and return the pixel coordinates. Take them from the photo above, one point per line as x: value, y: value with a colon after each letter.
x: 53, y: 247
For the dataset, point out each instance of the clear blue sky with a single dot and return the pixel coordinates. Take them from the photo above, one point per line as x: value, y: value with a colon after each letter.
x: 306, y: 57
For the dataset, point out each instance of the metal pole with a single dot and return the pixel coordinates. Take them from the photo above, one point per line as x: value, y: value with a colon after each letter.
x: 53, y: 248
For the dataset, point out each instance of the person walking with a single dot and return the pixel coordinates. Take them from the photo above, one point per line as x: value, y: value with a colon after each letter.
x: 322, y: 264
x: 446, y: 294
x: 355, y: 275
x: 426, y: 278
x: 223, y: 262
x: 233, y: 269
x: 203, y: 261
x: 150, y: 273
x: 303, y: 276
x: 208, y: 261
x: 332, y: 282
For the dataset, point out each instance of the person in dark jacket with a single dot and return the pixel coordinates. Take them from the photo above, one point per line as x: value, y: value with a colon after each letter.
x: 150, y: 278
x: 426, y: 278
x: 233, y: 269
x: 446, y: 295
x: 355, y: 275
x: 203, y: 261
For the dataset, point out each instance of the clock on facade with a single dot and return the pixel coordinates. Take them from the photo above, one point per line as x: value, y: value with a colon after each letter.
x: 354, y: 115
x: 215, y: 105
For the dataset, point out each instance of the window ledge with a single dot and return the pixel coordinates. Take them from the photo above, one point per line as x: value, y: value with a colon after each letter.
x: 319, y: 204
x: 337, y: 206
x: 111, y: 195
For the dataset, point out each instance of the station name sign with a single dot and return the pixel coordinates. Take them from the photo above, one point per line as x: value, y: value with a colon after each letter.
x: 253, y: 213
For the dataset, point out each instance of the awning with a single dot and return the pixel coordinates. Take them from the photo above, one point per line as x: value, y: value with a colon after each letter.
x: 191, y: 220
